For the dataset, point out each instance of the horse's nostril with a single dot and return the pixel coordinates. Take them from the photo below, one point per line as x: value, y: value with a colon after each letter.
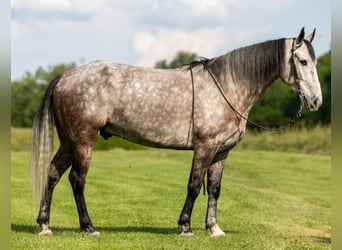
x: 318, y: 101
x: 315, y: 102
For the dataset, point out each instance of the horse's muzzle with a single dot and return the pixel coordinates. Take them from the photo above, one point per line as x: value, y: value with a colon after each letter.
x: 311, y: 103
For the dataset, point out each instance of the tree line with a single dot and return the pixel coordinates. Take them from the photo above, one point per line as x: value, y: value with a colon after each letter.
x: 277, y: 105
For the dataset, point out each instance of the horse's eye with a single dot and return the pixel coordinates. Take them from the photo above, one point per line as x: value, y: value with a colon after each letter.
x: 303, y: 62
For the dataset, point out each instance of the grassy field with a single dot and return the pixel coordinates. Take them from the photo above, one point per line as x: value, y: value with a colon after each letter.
x: 269, y: 200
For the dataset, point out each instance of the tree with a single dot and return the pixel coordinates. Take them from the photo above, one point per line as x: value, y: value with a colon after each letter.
x: 28, y: 92
x: 323, y: 115
x: 180, y: 59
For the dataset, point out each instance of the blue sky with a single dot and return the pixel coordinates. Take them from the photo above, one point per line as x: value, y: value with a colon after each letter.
x: 47, y: 32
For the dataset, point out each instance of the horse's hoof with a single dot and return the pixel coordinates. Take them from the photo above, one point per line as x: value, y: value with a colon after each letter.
x: 93, y: 234
x: 45, y: 232
x: 217, y: 232
x: 187, y: 235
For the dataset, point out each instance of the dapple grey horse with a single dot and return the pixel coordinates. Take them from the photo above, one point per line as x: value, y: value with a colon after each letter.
x: 178, y: 108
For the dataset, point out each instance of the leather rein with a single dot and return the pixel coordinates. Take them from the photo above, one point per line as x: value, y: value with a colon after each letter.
x: 278, y: 127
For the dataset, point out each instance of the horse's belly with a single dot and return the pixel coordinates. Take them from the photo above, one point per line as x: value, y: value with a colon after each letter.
x: 152, y: 133
x: 160, y: 123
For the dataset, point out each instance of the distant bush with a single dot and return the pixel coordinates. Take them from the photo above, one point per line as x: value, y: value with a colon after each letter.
x: 316, y: 140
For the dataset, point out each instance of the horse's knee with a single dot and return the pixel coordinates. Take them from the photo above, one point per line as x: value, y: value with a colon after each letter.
x: 73, y: 180
x: 214, y: 190
x: 194, y: 188
x: 214, y: 179
x: 76, y: 180
x: 72, y: 177
x: 80, y: 167
x: 53, y: 176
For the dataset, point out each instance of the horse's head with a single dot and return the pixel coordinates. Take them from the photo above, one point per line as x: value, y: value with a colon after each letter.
x: 300, y: 72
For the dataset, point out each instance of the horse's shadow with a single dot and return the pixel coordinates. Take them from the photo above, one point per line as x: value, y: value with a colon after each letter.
x: 33, y: 229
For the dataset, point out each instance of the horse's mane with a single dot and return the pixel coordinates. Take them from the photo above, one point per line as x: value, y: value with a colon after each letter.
x: 255, y: 63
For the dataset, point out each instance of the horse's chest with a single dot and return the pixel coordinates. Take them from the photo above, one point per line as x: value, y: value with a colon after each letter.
x: 232, y: 136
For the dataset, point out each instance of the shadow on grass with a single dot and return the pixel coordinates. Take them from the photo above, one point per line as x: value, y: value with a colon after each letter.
x: 324, y: 240
x: 32, y: 229
x: 151, y: 230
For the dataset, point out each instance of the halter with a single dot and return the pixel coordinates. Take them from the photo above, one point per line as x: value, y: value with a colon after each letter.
x: 296, y: 74
x: 278, y: 127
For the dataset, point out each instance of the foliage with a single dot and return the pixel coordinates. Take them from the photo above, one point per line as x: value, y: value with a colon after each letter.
x: 180, y: 59
x: 28, y: 92
x: 278, y: 104
x: 316, y: 140
x: 323, y: 115
x: 269, y: 200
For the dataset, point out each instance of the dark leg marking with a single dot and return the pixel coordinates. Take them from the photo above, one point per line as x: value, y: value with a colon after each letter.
x: 60, y: 163
x: 214, y: 186
x: 77, y: 178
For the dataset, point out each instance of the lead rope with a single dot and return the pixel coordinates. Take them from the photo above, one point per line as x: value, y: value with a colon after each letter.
x: 278, y: 127
x: 191, y: 123
x: 192, y: 116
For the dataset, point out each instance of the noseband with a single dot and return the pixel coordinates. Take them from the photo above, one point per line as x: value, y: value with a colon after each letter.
x: 296, y: 73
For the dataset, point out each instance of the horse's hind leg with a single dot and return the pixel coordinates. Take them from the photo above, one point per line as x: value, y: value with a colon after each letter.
x: 60, y: 163
x: 77, y: 178
x: 214, y: 185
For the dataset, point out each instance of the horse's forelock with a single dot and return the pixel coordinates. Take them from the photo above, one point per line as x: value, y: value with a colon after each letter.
x: 310, y: 49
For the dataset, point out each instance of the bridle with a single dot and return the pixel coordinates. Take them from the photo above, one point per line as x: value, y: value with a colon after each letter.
x: 278, y: 127
x: 296, y: 74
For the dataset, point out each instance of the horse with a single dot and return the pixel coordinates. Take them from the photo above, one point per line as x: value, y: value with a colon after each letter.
x: 179, y: 108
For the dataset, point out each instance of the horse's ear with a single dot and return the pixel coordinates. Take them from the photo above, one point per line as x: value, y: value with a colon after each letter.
x: 311, y: 36
x: 300, y: 38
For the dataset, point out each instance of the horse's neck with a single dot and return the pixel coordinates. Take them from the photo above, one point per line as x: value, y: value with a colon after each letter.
x: 247, y: 72
x: 244, y: 94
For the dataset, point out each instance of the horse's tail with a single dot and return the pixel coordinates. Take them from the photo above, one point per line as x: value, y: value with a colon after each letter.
x: 42, y: 143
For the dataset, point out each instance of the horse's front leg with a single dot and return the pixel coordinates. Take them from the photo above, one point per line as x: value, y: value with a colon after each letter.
x: 214, y: 175
x: 203, y: 155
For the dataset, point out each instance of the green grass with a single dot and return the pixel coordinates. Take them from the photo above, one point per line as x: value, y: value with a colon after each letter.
x: 269, y: 200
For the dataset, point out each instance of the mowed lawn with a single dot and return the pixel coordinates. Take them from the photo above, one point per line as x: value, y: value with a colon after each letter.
x: 269, y: 200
